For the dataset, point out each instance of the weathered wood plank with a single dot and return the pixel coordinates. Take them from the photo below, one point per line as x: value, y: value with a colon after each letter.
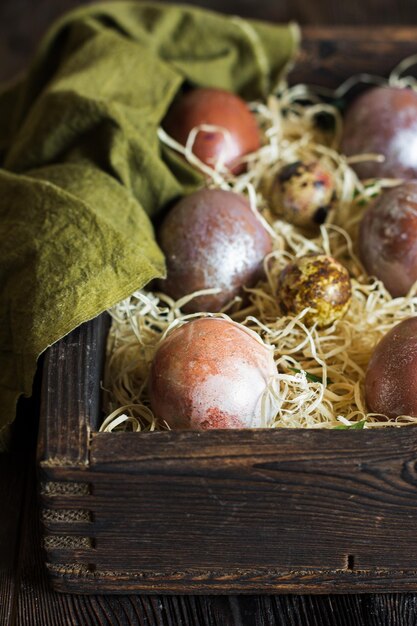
x: 218, y: 582
x: 237, y: 447
x: 330, y: 55
x: 71, y: 395
x: 242, y: 510
x: 38, y: 604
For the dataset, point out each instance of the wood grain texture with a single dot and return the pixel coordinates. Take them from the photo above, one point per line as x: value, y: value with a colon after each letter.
x: 329, y: 56
x: 69, y: 414
x: 37, y: 604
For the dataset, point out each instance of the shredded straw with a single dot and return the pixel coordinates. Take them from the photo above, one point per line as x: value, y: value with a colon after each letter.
x: 320, y: 372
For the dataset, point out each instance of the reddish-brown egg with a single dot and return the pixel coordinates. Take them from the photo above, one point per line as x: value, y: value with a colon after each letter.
x: 391, y: 380
x: 212, y: 239
x: 210, y: 373
x: 214, y: 107
x: 383, y: 120
x: 388, y: 238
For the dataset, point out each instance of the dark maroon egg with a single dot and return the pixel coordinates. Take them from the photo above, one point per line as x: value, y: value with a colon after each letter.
x: 383, y: 120
x: 215, y: 107
x: 388, y: 238
x: 210, y: 373
x: 391, y: 377
x: 212, y: 239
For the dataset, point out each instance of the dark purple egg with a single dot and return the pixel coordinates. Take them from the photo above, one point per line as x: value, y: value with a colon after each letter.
x: 388, y: 238
x: 383, y: 120
x: 391, y: 377
x: 212, y: 239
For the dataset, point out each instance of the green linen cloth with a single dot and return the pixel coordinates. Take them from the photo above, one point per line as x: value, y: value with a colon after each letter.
x: 82, y: 171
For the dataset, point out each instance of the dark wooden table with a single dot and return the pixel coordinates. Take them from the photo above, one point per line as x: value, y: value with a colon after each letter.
x: 25, y: 598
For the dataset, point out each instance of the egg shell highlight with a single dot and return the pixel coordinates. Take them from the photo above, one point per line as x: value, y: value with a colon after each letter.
x: 212, y: 239
x: 317, y: 281
x: 391, y: 376
x: 215, y: 107
x: 210, y: 373
x: 387, y: 239
x: 383, y: 120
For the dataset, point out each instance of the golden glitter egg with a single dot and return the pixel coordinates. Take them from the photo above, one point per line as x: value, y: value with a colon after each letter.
x: 302, y: 193
x: 317, y: 281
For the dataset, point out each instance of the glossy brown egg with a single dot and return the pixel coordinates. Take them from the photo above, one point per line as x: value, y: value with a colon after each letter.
x: 391, y: 381
x: 215, y: 107
x: 212, y: 239
x: 302, y: 193
x: 210, y: 373
x: 383, y: 120
x: 317, y: 281
x: 388, y: 238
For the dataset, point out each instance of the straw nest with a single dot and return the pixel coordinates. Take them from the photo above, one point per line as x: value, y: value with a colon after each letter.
x: 320, y: 372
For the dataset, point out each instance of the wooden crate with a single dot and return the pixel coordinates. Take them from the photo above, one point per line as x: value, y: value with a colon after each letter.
x: 226, y: 511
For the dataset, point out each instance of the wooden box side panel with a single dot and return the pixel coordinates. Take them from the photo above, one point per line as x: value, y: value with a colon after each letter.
x: 244, y: 511
x: 71, y: 395
x: 330, y: 55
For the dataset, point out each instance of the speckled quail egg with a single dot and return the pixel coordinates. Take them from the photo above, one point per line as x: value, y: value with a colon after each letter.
x: 302, y: 193
x: 317, y: 281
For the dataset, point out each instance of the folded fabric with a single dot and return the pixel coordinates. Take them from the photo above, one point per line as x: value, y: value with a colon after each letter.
x: 82, y: 171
